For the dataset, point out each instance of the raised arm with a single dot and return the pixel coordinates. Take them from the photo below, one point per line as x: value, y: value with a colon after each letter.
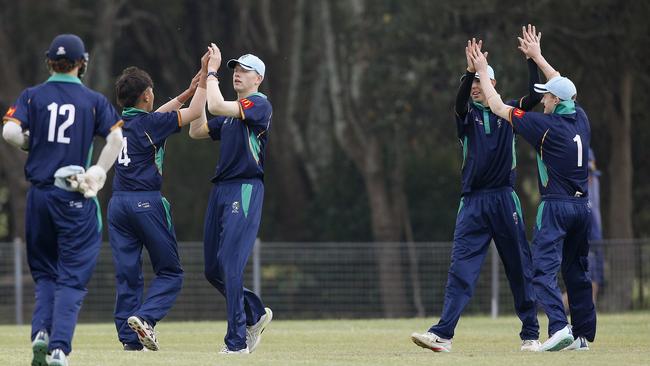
x: 466, y: 83
x: 176, y: 103
x: 530, y: 45
x: 493, y: 98
x: 216, y: 104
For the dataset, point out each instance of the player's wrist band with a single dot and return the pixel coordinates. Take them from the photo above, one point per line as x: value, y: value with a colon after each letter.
x: 213, y: 73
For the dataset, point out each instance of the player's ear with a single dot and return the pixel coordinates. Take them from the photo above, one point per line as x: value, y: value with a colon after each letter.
x: 494, y: 82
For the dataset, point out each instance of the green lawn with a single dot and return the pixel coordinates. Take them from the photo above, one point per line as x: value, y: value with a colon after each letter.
x: 623, y: 340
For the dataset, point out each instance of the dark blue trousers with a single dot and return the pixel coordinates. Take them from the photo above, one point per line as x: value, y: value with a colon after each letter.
x: 561, y: 243
x: 136, y: 220
x: 63, y: 241
x: 483, y: 216
x: 231, y: 223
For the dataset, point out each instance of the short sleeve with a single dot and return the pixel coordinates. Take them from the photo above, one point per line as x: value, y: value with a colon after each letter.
x: 256, y: 111
x: 19, y: 112
x: 162, y: 125
x: 214, y: 127
x: 532, y: 126
x: 106, y: 117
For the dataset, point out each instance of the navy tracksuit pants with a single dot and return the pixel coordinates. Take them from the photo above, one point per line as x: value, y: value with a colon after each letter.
x: 63, y: 241
x: 483, y: 216
x: 135, y: 220
x: 560, y: 243
x: 231, y: 223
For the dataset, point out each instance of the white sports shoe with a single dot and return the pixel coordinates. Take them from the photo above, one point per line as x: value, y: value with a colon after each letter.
x: 39, y: 348
x: 254, y: 332
x: 530, y: 345
x: 580, y: 344
x: 431, y: 341
x: 226, y: 351
x: 560, y: 340
x: 58, y: 358
x: 146, y: 334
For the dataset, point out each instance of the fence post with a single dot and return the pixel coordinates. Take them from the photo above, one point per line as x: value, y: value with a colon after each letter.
x: 257, y: 274
x: 495, y: 281
x: 18, y: 280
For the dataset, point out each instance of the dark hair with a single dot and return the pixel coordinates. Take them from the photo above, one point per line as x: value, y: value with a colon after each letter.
x: 63, y: 65
x: 130, y: 85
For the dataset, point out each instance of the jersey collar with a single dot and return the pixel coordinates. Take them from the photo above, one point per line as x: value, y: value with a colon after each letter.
x: 64, y: 78
x: 132, y: 112
x: 256, y: 94
x: 565, y: 107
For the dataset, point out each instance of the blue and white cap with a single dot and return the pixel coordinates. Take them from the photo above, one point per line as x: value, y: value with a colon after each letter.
x: 67, y: 46
x: 490, y: 72
x: 249, y: 62
x: 559, y: 86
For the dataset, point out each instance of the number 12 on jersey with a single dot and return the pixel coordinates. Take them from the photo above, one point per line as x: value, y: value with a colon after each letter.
x: 55, y: 111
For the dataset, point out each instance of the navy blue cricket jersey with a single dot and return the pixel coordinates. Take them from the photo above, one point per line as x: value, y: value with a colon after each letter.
x: 489, y: 157
x: 62, y: 116
x: 243, y: 140
x: 562, y: 141
x: 139, y: 165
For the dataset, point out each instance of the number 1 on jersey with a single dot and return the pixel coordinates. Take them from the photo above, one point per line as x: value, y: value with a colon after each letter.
x: 578, y: 141
x: 123, y: 158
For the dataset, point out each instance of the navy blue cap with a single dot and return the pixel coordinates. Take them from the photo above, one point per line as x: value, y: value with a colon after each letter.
x: 68, y: 46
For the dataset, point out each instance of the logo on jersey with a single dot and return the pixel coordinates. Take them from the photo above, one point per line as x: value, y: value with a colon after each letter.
x: 60, y: 51
x: 499, y: 122
x: 10, y: 111
x: 144, y: 204
x: 76, y: 204
x: 518, y: 113
x: 246, y: 103
x: 515, y: 217
x: 235, y: 207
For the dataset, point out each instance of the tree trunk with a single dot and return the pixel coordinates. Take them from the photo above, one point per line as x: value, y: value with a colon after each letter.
x: 364, y: 149
x: 621, y: 259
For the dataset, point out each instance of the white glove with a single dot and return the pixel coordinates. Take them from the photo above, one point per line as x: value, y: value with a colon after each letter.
x: 91, y: 181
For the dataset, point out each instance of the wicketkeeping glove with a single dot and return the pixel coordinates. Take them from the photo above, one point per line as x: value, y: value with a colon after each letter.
x: 91, y: 181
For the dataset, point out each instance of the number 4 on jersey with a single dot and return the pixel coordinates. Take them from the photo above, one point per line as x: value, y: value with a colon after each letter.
x: 123, y: 158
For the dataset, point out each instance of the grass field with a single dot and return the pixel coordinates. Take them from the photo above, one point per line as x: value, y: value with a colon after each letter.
x: 622, y: 340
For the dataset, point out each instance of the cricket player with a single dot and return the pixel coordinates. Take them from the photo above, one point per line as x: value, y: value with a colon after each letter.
x: 489, y: 210
x: 138, y: 215
x: 561, y: 137
x: 235, y: 204
x: 56, y: 122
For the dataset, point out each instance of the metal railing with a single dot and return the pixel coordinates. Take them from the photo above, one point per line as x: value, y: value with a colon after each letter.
x: 315, y: 280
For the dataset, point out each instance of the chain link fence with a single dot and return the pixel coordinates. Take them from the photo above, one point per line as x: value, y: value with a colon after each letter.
x: 319, y: 280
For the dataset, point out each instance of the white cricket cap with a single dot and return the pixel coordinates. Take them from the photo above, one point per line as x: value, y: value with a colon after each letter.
x: 490, y: 71
x: 559, y: 86
x: 249, y: 62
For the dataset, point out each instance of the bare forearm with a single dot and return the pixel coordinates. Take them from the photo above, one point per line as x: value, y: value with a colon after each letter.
x: 217, y: 105
x: 196, y: 107
x: 547, y: 69
x: 172, y: 105
x: 199, y: 127
x: 494, y: 99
